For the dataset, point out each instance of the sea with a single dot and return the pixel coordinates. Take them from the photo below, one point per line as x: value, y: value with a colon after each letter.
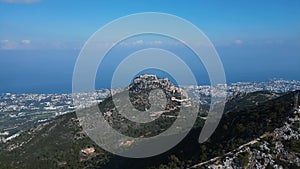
x: 51, y: 71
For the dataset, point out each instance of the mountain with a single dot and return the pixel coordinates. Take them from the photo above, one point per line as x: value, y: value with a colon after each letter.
x: 251, y: 121
x: 241, y: 100
x: 269, y: 138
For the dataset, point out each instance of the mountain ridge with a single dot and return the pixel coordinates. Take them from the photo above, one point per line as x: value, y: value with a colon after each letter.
x: 52, y: 143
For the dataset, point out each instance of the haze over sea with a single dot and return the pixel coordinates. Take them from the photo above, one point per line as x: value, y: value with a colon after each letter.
x: 40, y: 40
x: 50, y: 71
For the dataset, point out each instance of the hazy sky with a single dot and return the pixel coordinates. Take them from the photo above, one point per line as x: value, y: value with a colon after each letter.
x: 57, y: 24
x: 256, y: 40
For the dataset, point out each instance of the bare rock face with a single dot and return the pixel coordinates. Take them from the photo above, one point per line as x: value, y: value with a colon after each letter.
x: 145, y: 87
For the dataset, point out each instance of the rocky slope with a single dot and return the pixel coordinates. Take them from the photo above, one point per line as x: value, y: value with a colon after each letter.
x: 258, y: 135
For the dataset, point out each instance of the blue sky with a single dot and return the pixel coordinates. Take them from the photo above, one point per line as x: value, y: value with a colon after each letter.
x: 256, y: 40
x: 37, y: 24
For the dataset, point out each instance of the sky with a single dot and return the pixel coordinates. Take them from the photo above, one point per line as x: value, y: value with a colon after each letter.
x: 60, y: 24
x: 262, y: 37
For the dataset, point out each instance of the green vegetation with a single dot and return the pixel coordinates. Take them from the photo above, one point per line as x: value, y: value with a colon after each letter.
x: 52, y: 146
x: 292, y: 145
x: 58, y: 144
x: 243, y: 159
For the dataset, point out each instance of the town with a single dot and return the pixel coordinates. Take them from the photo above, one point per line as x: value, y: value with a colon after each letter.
x: 19, y: 112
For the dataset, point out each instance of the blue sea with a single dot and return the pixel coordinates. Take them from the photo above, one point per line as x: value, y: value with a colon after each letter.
x: 50, y: 71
